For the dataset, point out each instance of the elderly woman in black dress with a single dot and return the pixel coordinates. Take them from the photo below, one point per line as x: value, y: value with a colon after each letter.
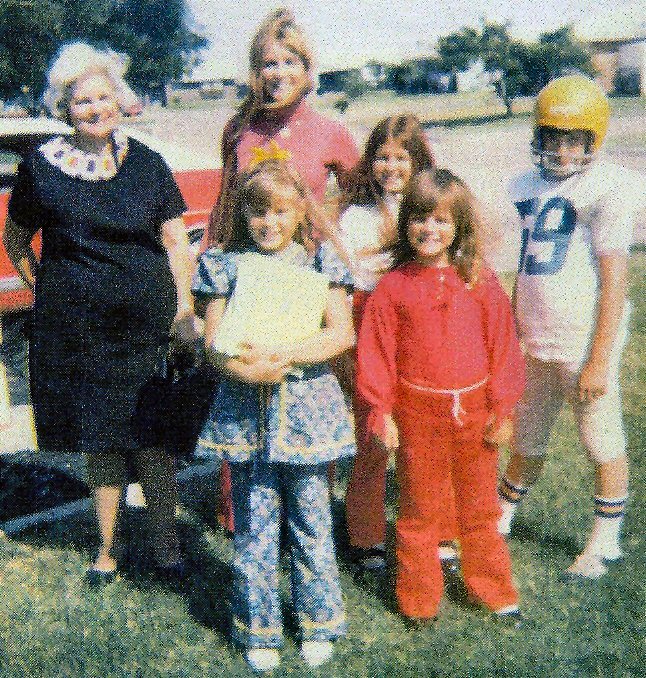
x: 112, y: 281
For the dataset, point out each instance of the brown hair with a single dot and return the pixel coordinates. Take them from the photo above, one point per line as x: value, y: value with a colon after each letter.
x: 421, y: 197
x: 404, y: 130
x: 279, y: 27
x: 363, y: 189
x: 257, y: 187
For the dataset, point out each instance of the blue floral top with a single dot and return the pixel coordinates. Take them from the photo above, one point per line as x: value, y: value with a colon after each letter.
x: 302, y: 420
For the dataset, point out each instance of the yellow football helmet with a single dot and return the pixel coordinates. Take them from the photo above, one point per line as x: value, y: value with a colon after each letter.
x: 570, y: 103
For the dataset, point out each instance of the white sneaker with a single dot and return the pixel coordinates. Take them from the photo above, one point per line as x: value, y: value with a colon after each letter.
x: 262, y: 659
x: 586, y: 566
x: 316, y: 652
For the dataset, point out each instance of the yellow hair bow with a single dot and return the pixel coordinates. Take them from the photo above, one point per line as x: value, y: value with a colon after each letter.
x: 272, y: 152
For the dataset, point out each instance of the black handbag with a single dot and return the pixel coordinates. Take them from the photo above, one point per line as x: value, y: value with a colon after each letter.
x: 174, y: 406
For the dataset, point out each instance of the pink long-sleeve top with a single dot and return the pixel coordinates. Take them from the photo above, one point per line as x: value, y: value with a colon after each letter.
x: 315, y: 145
x: 424, y: 325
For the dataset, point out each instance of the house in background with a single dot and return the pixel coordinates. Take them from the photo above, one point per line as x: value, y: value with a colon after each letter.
x: 211, y: 79
x: 617, y: 42
x: 406, y: 71
x: 337, y: 70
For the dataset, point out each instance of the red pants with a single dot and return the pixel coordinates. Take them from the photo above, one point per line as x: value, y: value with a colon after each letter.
x: 365, y: 498
x: 434, y: 447
x: 366, y: 494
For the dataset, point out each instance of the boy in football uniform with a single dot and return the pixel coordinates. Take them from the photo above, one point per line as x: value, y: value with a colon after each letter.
x: 577, y: 213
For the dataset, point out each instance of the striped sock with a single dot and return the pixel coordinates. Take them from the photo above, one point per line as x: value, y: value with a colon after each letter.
x: 608, y: 520
x: 605, y: 507
x: 511, y: 493
x: 510, y: 497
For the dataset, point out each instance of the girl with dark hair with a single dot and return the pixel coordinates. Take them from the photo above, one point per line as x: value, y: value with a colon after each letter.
x: 396, y: 149
x: 440, y: 367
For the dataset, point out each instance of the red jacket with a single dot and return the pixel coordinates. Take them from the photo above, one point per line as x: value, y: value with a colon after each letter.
x: 426, y: 326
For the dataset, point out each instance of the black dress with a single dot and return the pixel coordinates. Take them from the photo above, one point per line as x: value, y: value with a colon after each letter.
x: 104, y: 299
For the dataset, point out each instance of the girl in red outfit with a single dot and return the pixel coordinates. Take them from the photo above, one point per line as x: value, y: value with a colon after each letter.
x: 396, y: 149
x: 440, y: 366
x: 275, y: 121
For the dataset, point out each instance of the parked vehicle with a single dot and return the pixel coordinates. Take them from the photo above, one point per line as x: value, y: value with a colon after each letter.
x: 197, y: 175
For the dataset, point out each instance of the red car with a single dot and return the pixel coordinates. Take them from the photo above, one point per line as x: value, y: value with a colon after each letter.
x: 198, y: 177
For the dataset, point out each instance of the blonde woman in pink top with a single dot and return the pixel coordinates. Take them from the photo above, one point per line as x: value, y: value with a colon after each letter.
x: 276, y: 121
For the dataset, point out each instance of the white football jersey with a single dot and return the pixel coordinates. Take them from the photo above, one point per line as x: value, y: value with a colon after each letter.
x: 567, y: 224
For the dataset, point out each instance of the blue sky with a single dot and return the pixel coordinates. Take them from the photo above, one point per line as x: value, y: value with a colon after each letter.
x: 340, y: 29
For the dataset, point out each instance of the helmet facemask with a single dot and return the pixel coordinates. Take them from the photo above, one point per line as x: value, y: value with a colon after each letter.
x: 550, y: 161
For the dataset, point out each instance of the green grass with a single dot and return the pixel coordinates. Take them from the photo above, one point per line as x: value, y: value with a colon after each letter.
x: 51, y: 626
x: 437, y: 109
x: 628, y: 104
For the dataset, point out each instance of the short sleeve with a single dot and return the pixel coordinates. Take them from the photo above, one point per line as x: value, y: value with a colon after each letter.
x: 328, y: 262
x: 613, y: 224
x: 350, y: 226
x: 25, y: 207
x: 215, y: 274
x: 172, y: 203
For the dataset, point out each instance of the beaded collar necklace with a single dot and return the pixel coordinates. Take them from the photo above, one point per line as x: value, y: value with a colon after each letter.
x: 74, y: 162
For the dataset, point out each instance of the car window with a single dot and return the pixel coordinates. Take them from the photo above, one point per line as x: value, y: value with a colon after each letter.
x: 14, y: 147
x: 8, y: 167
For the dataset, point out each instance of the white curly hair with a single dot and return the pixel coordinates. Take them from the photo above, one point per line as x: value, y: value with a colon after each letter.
x: 77, y: 59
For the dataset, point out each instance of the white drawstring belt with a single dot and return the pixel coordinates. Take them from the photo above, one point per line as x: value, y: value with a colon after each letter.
x: 455, y: 393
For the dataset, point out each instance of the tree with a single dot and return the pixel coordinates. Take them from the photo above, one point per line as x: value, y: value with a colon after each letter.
x: 155, y: 34
x: 520, y: 68
x: 30, y: 31
x: 417, y: 76
x: 560, y: 52
x: 459, y: 49
x: 508, y: 59
x: 157, y: 37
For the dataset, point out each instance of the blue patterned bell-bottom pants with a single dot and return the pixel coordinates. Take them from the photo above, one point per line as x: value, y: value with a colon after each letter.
x: 260, y: 490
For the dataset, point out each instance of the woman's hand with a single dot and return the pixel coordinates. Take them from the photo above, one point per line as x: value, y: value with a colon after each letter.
x: 17, y: 243
x: 499, y: 432
x: 187, y: 329
x: 389, y: 440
